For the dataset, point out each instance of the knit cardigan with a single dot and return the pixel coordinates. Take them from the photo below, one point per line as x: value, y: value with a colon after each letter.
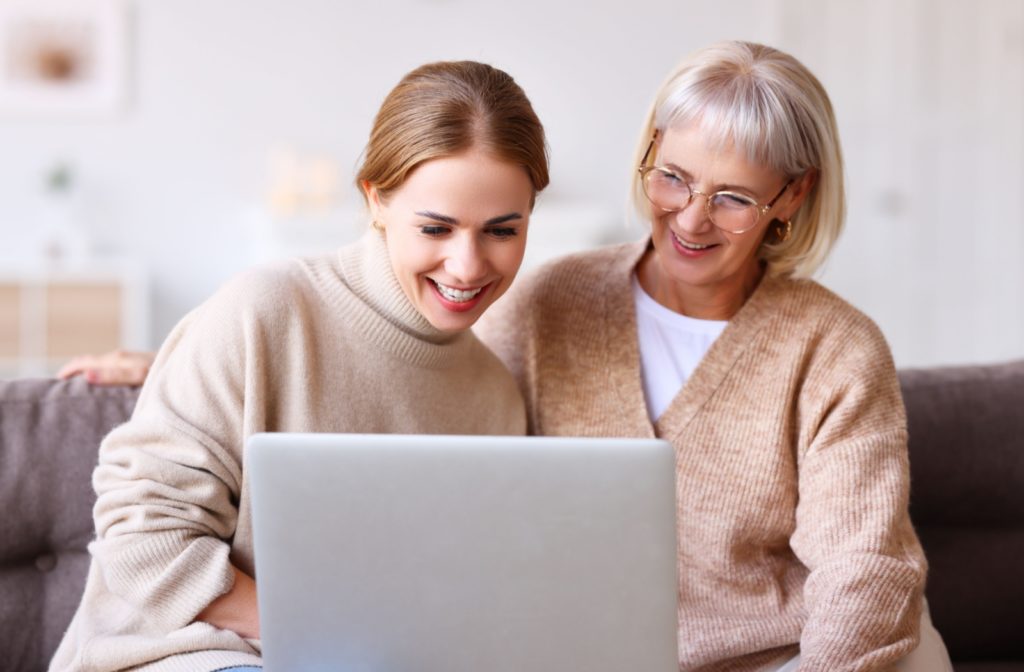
x: 791, y: 459
x: 328, y: 344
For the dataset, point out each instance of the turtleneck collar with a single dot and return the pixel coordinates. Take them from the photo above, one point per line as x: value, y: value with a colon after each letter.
x: 366, y: 269
x: 359, y: 282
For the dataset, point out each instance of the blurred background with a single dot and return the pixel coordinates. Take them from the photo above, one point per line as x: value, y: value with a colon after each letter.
x: 150, y: 149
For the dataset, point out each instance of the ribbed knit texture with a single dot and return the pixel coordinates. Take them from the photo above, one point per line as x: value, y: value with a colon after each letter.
x: 792, y: 464
x: 328, y: 344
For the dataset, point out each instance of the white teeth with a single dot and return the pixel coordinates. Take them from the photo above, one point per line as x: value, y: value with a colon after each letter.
x: 457, y: 295
x: 690, y: 246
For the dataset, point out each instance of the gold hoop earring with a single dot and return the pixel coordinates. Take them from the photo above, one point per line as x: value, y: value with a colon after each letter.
x: 783, y: 233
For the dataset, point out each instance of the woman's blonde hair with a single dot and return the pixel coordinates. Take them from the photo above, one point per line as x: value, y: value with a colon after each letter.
x: 770, y: 107
x: 445, y: 108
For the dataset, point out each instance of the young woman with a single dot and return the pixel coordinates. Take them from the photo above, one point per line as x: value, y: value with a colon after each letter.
x: 373, y: 338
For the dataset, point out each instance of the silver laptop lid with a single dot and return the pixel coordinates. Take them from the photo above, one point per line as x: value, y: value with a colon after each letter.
x: 391, y: 553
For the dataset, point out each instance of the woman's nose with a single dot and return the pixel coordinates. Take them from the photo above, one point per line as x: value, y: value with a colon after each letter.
x: 694, y: 217
x: 465, y: 261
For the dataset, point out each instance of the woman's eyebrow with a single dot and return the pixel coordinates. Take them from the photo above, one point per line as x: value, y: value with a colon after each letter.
x: 677, y: 169
x: 445, y: 219
x: 503, y: 218
x: 437, y: 217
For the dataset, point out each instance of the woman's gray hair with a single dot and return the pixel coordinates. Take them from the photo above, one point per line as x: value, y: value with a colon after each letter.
x: 770, y: 107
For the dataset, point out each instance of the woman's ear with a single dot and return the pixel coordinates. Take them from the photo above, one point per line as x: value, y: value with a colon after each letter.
x: 372, y: 198
x: 802, y: 187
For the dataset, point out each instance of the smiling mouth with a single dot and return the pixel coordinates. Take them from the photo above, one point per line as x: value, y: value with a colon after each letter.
x: 696, y: 247
x: 456, y: 295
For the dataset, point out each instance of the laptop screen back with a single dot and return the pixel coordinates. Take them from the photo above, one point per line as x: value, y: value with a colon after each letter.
x: 391, y: 553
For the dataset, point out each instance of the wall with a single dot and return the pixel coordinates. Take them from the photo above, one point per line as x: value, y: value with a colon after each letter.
x: 929, y: 96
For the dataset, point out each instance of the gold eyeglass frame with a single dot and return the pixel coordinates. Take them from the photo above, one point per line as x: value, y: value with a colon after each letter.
x: 762, y: 210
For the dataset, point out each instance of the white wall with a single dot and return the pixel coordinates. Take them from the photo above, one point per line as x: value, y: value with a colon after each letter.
x: 929, y: 96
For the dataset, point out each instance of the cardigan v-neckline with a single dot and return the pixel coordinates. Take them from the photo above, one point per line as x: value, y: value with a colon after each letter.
x: 621, y: 327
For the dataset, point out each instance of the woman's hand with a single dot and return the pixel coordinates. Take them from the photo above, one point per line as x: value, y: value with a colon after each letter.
x: 114, y: 368
x: 236, y: 609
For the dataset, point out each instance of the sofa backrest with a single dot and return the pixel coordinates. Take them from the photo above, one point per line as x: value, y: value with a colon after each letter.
x: 49, y: 434
x: 967, y: 502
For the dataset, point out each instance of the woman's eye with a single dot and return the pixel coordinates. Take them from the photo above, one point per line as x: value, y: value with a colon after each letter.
x: 503, y: 232
x: 433, y: 230
x: 732, y: 201
x: 670, y: 179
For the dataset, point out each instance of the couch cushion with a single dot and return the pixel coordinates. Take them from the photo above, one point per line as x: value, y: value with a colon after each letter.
x: 967, y: 502
x: 990, y: 666
x: 49, y: 434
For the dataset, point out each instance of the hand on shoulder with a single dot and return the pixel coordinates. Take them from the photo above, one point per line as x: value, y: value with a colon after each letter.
x: 119, y: 367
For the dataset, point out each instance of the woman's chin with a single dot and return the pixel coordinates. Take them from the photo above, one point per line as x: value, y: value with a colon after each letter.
x: 451, y: 321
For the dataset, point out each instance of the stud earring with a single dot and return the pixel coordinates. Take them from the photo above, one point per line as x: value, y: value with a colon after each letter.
x: 783, y: 232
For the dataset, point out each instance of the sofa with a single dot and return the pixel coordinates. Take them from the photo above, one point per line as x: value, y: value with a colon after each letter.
x: 967, y: 502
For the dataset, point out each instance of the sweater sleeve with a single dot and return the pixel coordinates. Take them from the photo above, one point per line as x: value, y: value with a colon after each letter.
x: 169, y: 480
x: 853, y: 530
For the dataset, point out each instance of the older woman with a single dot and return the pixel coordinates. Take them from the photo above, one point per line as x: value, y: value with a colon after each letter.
x: 372, y: 338
x: 781, y: 399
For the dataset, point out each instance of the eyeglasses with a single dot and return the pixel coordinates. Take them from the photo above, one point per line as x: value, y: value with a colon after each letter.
x: 729, y: 211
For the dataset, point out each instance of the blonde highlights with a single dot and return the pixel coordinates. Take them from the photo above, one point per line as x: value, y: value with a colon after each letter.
x: 769, y: 106
x: 446, y: 108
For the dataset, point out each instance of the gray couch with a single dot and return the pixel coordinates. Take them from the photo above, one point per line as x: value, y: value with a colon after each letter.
x: 967, y: 456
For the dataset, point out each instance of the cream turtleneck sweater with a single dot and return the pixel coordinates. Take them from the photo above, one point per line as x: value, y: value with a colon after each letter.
x: 328, y: 344
x: 792, y: 470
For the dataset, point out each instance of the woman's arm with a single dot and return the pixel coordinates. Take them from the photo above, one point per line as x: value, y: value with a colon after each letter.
x: 169, y: 480
x: 853, y: 529
x: 236, y: 609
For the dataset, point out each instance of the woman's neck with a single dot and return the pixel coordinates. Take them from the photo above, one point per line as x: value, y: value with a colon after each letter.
x: 713, y: 301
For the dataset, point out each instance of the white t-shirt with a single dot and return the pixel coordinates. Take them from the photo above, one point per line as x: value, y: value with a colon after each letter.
x: 671, y: 346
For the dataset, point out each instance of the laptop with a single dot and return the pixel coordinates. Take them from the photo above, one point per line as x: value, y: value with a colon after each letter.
x: 396, y: 553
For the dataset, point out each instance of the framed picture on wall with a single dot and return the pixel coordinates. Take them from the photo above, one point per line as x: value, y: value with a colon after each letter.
x: 63, y: 58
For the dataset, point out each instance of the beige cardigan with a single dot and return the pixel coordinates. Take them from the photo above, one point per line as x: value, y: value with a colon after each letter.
x: 791, y: 460
x: 322, y: 345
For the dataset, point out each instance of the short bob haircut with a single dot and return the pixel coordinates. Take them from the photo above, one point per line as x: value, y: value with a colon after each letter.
x: 446, y: 108
x: 768, y: 105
